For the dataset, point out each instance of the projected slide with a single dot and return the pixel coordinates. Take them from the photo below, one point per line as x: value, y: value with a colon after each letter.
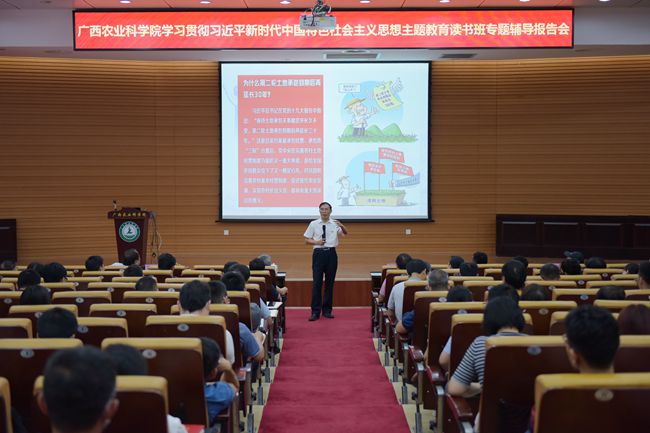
x: 296, y: 134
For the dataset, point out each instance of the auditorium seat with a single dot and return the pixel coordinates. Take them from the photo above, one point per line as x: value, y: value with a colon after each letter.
x: 81, y: 283
x: 493, y: 272
x: 33, y: 312
x: 541, y: 312
x: 74, y: 270
x: 180, y: 361
x: 5, y: 406
x: 163, y: 300
x: 459, y: 281
x: 479, y: 288
x: 7, y: 300
x: 138, y: 396
x: 177, y: 270
x: 637, y: 295
x: 255, y: 292
x: 243, y: 301
x: 266, y: 285
x: 182, y: 280
x: 82, y: 299
x: 22, y: 360
x: 208, y: 267
x: 13, y: 281
x: 594, y: 403
x: 10, y: 274
x: 105, y: 275
x: 201, y: 273
x: 59, y: 287
x: 410, y: 288
x: 159, y: 274
x: 625, y: 284
x: 552, y: 284
x: 617, y: 306
x: 7, y: 286
x: 579, y: 296
x: 605, y: 273
x: 116, y: 288
x: 616, y: 277
x: 135, y: 314
x: 93, y: 330
x: 170, y: 287
x: 16, y: 328
x: 121, y: 279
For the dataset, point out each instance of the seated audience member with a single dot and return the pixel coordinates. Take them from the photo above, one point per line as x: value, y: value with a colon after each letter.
x: 644, y: 276
x: 535, y: 292
x: 133, y: 271
x: 468, y: 269
x: 456, y: 294
x: 36, y: 266
x: 166, y: 261
x: 7, y: 265
x: 79, y: 391
x: 575, y: 255
x: 592, y: 339
x: 502, y: 317
x: 480, y: 258
x: 521, y: 259
x: 513, y: 273
x: 35, y: 295
x: 128, y: 361
x: 252, y: 345
x: 27, y: 278
x: 611, y: 293
x: 634, y: 320
x: 437, y: 280
x: 503, y: 290
x: 218, y: 394
x: 268, y: 261
x: 246, y: 273
x: 571, y: 267
x: 596, y: 263
x: 455, y: 262
x: 194, y: 300
x: 56, y: 323
x: 257, y: 264
x: 227, y: 267
x: 131, y: 257
x: 631, y: 268
x: 94, y: 263
x: 146, y: 284
x: 417, y: 270
x: 549, y: 272
x: 54, y: 273
x: 400, y: 262
x: 234, y: 281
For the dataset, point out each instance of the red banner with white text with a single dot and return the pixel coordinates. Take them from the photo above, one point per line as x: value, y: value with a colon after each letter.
x: 190, y: 30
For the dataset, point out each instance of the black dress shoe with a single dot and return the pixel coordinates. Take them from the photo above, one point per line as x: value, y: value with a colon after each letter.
x: 313, y: 317
x: 328, y: 315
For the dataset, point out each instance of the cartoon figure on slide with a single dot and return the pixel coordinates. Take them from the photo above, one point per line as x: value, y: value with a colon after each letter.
x: 346, y: 190
x: 360, y: 115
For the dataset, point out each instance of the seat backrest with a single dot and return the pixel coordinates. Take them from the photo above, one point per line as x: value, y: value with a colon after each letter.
x: 633, y: 354
x: 625, y: 284
x: 637, y: 295
x: 163, y: 300
x: 82, y: 299
x: 579, y: 296
x: 22, y: 360
x: 581, y: 280
x: 183, y: 280
x: 7, y: 286
x: 138, y: 395
x: 440, y: 314
x: 16, y: 328
x: 459, y: 281
x: 553, y: 284
x: 557, y: 322
x: 230, y: 313
x: 265, y: 280
x: 479, y: 288
x: 12, y: 280
x: 159, y: 274
x: 116, y: 288
x: 180, y: 361
x: 201, y: 273
x: 33, y: 312
x: 7, y: 300
x: 125, y: 279
x: 421, y: 318
x: 255, y: 292
x: 135, y: 314
x: 617, y: 306
x: 493, y: 272
x: 188, y: 327
x: 81, y: 283
x: 5, y: 407
x: 58, y: 287
x: 106, y: 275
x: 390, y: 280
x: 243, y: 301
x: 541, y: 312
x: 605, y: 273
x: 93, y: 330
x: 511, y: 365
x: 625, y: 276
x: 209, y: 267
x: 599, y: 403
x: 410, y: 288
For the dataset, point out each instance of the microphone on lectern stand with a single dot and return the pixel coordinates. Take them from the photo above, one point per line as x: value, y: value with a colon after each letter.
x: 114, y: 204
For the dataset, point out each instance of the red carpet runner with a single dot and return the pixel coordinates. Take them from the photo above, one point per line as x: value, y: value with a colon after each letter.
x: 330, y: 380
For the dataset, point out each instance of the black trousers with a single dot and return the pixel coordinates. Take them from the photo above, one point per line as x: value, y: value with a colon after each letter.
x: 323, y: 262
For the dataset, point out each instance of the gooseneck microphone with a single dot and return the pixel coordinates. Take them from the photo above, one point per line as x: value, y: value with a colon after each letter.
x: 323, y: 231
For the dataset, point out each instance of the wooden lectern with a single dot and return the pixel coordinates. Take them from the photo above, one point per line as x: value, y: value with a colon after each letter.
x: 131, y: 226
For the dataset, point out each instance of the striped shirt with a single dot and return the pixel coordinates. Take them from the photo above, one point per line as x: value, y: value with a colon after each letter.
x: 472, y: 367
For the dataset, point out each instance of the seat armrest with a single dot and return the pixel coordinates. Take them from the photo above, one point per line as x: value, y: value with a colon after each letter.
x: 460, y: 409
x: 435, y: 375
x: 416, y: 354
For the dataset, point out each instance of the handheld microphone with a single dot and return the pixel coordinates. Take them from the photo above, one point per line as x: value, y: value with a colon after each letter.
x: 114, y: 204
x: 323, y: 232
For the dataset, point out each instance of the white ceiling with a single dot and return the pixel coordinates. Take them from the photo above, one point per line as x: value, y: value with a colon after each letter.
x: 43, y: 28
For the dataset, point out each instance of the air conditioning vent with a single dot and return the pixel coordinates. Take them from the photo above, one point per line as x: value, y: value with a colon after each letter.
x: 458, y: 56
x: 351, y: 56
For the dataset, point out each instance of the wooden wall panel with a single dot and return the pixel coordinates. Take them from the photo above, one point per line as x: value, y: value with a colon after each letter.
x: 556, y: 136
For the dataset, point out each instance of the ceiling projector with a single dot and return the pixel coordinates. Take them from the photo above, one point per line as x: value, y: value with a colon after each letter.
x: 318, y: 18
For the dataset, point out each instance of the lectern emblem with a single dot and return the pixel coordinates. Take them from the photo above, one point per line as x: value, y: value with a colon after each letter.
x: 129, y: 231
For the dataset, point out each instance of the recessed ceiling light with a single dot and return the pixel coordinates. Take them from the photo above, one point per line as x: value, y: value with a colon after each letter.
x: 603, y: 0
x: 285, y: 2
x: 125, y: 2
x: 444, y: 1
x: 364, y: 1
x: 205, y: 2
x: 524, y: 1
